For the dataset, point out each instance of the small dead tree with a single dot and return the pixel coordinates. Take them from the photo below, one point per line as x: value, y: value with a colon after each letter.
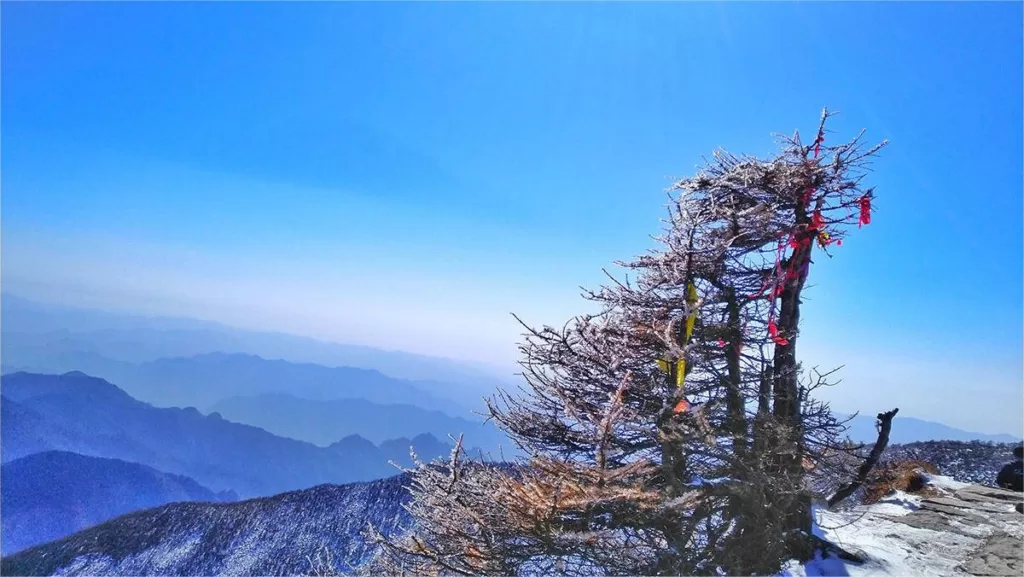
x: 884, y: 426
x: 671, y: 433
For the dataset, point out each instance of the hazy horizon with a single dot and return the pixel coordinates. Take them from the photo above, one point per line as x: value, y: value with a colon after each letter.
x: 505, y: 372
x: 406, y: 176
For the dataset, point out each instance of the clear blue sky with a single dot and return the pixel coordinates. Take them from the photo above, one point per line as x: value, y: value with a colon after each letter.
x: 405, y: 175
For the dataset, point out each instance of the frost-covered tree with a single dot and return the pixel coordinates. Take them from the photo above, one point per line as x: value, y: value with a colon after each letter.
x: 672, y: 432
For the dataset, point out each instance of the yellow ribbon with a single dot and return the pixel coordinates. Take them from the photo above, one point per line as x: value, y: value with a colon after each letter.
x: 663, y: 364
x: 691, y: 300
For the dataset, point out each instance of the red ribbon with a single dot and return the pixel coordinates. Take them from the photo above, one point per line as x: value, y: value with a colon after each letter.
x: 773, y: 332
x: 795, y: 242
x: 817, y: 222
x: 865, y: 211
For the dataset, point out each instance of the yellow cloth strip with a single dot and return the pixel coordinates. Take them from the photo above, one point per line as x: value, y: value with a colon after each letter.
x: 691, y: 299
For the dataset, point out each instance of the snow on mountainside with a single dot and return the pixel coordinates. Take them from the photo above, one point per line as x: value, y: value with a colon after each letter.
x: 968, y: 462
x: 49, y: 495
x: 949, y: 528
x: 270, y: 536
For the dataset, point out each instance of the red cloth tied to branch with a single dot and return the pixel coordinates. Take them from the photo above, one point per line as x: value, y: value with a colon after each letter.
x: 796, y: 241
x: 865, y: 211
x: 773, y: 332
x: 817, y: 222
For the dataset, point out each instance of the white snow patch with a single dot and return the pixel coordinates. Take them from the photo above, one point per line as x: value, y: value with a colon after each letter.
x: 94, y: 564
x: 896, y: 504
x: 947, y: 483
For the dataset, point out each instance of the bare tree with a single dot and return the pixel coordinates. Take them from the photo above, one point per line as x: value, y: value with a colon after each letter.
x: 671, y: 433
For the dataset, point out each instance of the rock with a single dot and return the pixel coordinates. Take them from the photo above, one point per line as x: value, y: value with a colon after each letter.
x: 930, y: 520
x: 963, y: 514
x: 1001, y: 555
x: 988, y: 494
x: 972, y: 505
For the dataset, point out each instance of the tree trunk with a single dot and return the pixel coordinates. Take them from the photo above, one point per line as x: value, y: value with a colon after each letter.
x: 735, y: 406
x: 795, y: 516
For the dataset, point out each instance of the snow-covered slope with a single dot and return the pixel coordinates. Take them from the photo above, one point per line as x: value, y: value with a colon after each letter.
x: 49, y: 495
x: 949, y: 528
x: 278, y: 535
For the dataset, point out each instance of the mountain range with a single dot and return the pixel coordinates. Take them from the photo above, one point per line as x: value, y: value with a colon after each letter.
x: 134, y: 478
x: 49, y: 495
x: 861, y: 429
x: 177, y: 361
x: 320, y: 422
x: 203, y: 380
x: 300, y: 401
x: 35, y: 331
x: 87, y: 415
x: 285, y: 534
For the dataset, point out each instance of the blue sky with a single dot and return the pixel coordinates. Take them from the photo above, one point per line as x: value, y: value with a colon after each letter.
x: 405, y: 175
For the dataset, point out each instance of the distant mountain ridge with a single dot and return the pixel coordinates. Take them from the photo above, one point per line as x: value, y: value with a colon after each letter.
x: 203, y: 380
x: 322, y: 422
x: 911, y: 430
x: 33, y: 330
x: 46, y: 496
x: 48, y: 338
x: 276, y: 535
x: 87, y: 415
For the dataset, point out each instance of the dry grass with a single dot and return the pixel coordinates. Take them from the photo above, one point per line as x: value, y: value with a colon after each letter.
x: 903, y: 476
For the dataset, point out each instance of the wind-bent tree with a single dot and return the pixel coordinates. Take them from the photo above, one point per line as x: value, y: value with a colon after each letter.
x: 671, y: 433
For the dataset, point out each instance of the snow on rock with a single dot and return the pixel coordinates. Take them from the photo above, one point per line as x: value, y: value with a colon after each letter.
x: 951, y: 528
x: 942, y: 482
x: 897, y: 504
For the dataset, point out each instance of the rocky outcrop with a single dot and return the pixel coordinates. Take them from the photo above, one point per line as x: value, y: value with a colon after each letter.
x: 985, y: 517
